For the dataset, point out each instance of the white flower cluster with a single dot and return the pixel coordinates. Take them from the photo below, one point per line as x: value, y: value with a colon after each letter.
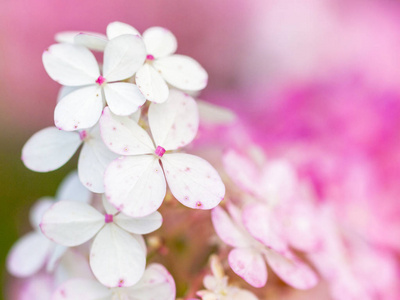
x: 129, y: 154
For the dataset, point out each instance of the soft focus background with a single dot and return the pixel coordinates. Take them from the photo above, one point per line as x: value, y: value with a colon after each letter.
x: 317, y: 81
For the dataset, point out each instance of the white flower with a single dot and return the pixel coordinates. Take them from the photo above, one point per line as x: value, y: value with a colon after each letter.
x: 74, y: 65
x: 32, y: 251
x: 118, y: 252
x: 217, y: 287
x: 162, y: 66
x: 51, y: 148
x: 135, y: 183
x: 156, y: 284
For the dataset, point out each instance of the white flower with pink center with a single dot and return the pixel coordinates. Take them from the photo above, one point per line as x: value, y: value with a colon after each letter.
x: 50, y: 148
x: 161, y: 67
x: 33, y: 251
x: 217, y: 286
x: 118, y: 252
x: 135, y: 183
x: 249, y: 257
x: 75, y: 66
x: 156, y: 284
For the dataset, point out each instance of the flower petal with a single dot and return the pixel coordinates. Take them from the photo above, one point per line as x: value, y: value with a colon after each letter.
x: 65, y: 90
x: 37, y: 211
x: 71, y: 65
x: 81, y: 288
x: 123, y: 98
x: 116, y: 258
x: 79, y: 109
x: 159, y: 42
x: 135, y: 185
x: 142, y: 225
x: 28, y: 254
x: 261, y: 223
x: 93, y: 161
x: 291, y: 270
x: 151, y: 84
x: 227, y: 230
x: 72, y: 189
x: 193, y: 181
x: 174, y: 123
x: 91, y: 41
x: 56, y: 254
x: 182, y: 72
x: 71, y: 223
x: 250, y: 265
x: 109, y: 209
x: 212, y: 114
x: 156, y: 283
x: 123, y: 135
x: 123, y: 56
x: 115, y: 29
x: 49, y: 149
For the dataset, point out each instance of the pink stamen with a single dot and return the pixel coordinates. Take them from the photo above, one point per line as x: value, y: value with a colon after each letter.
x: 100, y: 80
x: 160, y: 151
x: 149, y: 57
x: 83, y: 135
x: 109, y: 218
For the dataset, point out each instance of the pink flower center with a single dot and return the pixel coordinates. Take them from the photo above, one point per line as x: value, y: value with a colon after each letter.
x: 150, y: 57
x: 109, y: 218
x: 100, y: 80
x: 83, y: 135
x: 160, y: 151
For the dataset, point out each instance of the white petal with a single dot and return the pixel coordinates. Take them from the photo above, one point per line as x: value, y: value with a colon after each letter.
x: 123, y: 56
x: 49, y: 149
x: 136, y: 116
x: 135, y: 185
x: 159, y: 42
x: 81, y: 289
x: 262, y: 224
x: 66, y: 36
x: 143, y: 225
x: 250, y: 265
x: 151, y: 84
x: 193, y: 181
x: 111, y: 210
x: 123, y: 135
x: 57, y: 252
x: 28, y: 254
x: 37, y: 211
x: 227, y: 230
x: 123, y: 98
x: 71, y: 223
x: 211, y: 114
x: 182, y: 72
x: 65, y: 90
x: 71, y: 65
x: 93, y: 161
x: 116, y: 258
x: 291, y: 270
x: 72, y: 189
x: 115, y: 29
x: 156, y: 283
x: 174, y: 123
x: 73, y: 264
x: 79, y: 109
x: 91, y: 41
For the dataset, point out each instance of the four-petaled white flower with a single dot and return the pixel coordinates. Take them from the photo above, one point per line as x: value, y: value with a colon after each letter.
x: 248, y: 257
x: 51, y: 148
x: 217, y: 287
x: 32, y: 251
x: 118, y: 252
x: 156, y: 284
x: 74, y: 65
x: 135, y: 183
x: 162, y: 66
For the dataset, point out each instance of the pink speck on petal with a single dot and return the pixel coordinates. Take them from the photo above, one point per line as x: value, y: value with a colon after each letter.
x: 198, y: 204
x: 121, y: 283
x: 149, y: 57
x: 160, y: 151
x: 100, y: 80
x: 83, y: 135
x: 108, y: 218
